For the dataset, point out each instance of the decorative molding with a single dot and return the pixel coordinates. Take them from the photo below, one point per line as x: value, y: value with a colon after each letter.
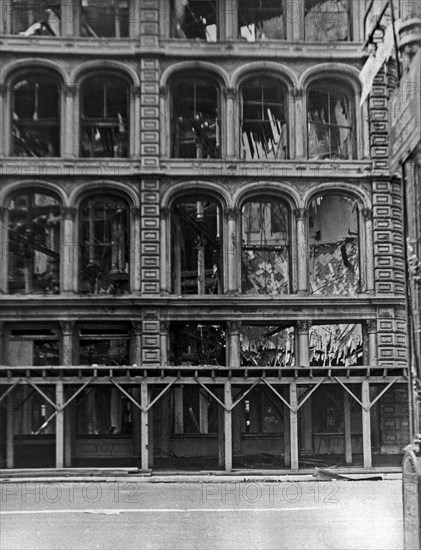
x: 165, y: 213
x: 135, y: 213
x: 367, y: 214
x: 67, y: 328
x: 68, y: 213
x: 231, y: 93
x: 232, y: 213
x: 135, y: 91
x: 233, y: 327
x: 301, y: 213
x: 303, y: 327
x: 70, y: 90
x: 371, y: 325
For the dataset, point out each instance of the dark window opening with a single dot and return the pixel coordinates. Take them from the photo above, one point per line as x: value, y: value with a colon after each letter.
x: 330, y: 114
x: 327, y: 20
x: 105, y: 117
x: 195, y: 19
x: 36, y: 18
x: 104, y: 246
x: 261, y: 20
x: 195, y: 411
x: 197, y: 344
x: 104, y: 18
x: 263, y: 412
x: 195, y: 120
x: 264, y: 132
x: 34, y: 244
x: 265, y: 248
x: 336, y: 345
x: 267, y: 345
x: 196, y: 248
x: 104, y: 411
x: 36, y: 117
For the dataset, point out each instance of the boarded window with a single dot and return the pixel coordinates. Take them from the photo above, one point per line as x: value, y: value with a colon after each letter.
x: 195, y: 19
x: 267, y: 345
x: 36, y: 117
x: 36, y: 17
x: 195, y: 126
x: 104, y: 18
x: 265, y: 248
x: 330, y: 114
x: 263, y: 126
x: 104, y: 246
x: 334, y: 246
x: 261, y: 19
x: 196, y: 248
x: 327, y: 20
x: 105, y: 117
x: 34, y: 244
x: 336, y: 345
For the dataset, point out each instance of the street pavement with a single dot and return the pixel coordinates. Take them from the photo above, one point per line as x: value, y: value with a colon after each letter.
x: 209, y: 514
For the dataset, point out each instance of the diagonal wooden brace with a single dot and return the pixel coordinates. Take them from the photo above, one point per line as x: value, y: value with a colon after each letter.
x: 308, y: 395
x: 301, y: 403
x: 161, y: 394
x: 382, y: 392
x: 237, y: 401
x: 284, y: 401
x: 36, y: 388
x: 127, y: 394
x: 9, y: 390
x: 212, y: 394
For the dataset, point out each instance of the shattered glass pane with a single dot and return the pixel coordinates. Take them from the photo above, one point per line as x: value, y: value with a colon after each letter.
x: 261, y: 20
x: 330, y: 122
x: 334, y: 246
x: 327, y: 20
x: 104, y: 18
x: 36, y: 17
x: 267, y: 345
x: 195, y: 19
x: 265, y: 248
x: 34, y: 244
x: 104, y: 246
x: 36, y: 118
x: 264, y: 132
x: 336, y: 345
x: 195, y: 120
x: 196, y: 254
x: 105, y: 118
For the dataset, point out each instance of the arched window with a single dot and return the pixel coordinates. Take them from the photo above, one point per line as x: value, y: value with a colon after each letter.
x: 197, y: 19
x: 105, y: 117
x: 327, y: 20
x: 265, y: 266
x: 104, y: 245
x: 34, y: 243
x: 264, y: 133
x: 261, y: 20
x: 196, y: 248
x: 36, y: 116
x: 195, y: 121
x: 334, y: 245
x: 331, y: 121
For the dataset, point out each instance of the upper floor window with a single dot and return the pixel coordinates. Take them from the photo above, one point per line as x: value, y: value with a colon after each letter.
x: 104, y: 18
x: 36, y: 117
x: 195, y: 19
x: 263, y: 124
x: 36, y: 17
x: 330, y: 115
x: 33, y: 244
x: 105, y: 117
x: 195, y: 122
x: 104, y: 245
x: 327, y: 20
x: 261, y: 20
x: 265, y: 262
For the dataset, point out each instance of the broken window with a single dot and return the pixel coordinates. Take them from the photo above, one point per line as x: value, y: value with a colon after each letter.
x: 327, y: 20
x: 196, y: 248
x: 334, y: 245
x: 195, y: 19
x: 265, y: 247
x: 36, y: 117
x: 336, y: 345
x: 263, y: 125
x: 104, y: 245
x: 261, y: 19
x: 263, y: 413
x: 105, y: 117
x: 267, y: 345
x: 330, y: 114
x: 36, y: 17
x: 197, y: 344
x: 104, y: 18
x: 34, y: 244
x: 195, y: 119
x: 194, y: 410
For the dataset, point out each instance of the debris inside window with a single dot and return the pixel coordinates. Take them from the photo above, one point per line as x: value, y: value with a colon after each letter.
x: 34, y: 244
x: 267, y: 345
x: 334, y: 245
x: 327, y: 20
x: 36, y: 117
x: 104, y: 246
x: 261, y: 20
x: 105, y: 127
x: 36, y: 18
x: 330, y: 122
x: 195, y: 19
x: 196, y: 254
x: 195, y: 120
x: 197, y: 344
x: 336, y: 345
x: 195, y: 411
x: 263, y: 413
x: 264, y: 128
x: 265, y: 248
x: 104, y: 18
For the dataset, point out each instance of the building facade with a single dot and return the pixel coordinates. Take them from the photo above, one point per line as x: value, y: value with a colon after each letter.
x: 202, y: 248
